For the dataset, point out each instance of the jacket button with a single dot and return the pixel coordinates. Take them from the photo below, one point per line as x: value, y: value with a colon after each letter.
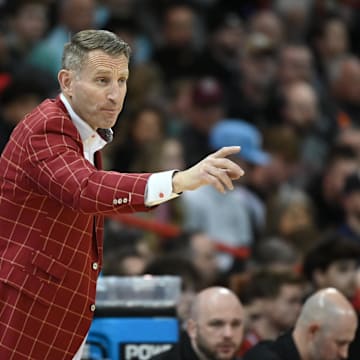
x: 95, y: 265
x: 92, y: 307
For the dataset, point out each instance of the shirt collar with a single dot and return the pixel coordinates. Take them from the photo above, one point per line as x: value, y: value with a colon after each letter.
x: 85, y: 130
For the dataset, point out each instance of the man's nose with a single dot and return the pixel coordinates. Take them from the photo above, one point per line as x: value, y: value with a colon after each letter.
x: 114, y: 92
x: 228, y: 331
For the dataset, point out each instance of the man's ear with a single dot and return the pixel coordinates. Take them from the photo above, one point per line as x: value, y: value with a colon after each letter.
x: 65, y: 78
x: 312, y: 330
x: 191, y: 328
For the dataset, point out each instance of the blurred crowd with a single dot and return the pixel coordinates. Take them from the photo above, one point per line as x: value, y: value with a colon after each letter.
x: 279, y: 78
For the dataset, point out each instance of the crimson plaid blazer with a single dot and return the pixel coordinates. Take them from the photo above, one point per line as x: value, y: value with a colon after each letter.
x: 52, y: 203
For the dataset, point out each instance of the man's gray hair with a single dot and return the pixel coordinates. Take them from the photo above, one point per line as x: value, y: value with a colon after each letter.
x: 76, y: 51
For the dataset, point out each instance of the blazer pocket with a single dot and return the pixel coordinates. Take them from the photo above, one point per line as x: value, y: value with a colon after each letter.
x: 38, y: 288
x: 49, y: 265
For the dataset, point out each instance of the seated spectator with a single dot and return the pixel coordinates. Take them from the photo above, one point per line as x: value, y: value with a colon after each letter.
x: 330, y: 40
x: 200, y: 249
x: 25, y: 90
x: 178, y: 50
x: 334, y: 262
x: 269, y: 23
x: 281, y: 294
x: 276, y: 254
x: 296, y: 64
x: 302, y: 115
x: 351, y: 202
x: 126, y: 251
x: 326, y: 191
x: 238, y: 216
x: 125, y: 261
x: 344, y: 87
x: 27, y: 25
x: 253, y: 82
x: 72, y: 16
x: 214, y: 329
x: 324, y: 330
x: 272, y: 302
x: 141, y: 132
x: 251, y: 296
x: 206, y: 108
x: 290, y: 214
x: 350, y: 136
x: 224, y: 43
x: 190, y: 279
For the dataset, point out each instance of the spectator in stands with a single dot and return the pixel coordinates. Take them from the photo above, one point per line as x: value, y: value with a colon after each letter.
x: 334, y: 262
x: 268, y: 23
x: 327, y: 189
x: 178, y: 51
x: 234, y: 218
x: 6, y: 65
x: 296, y: 18
x: 324, y: 330
x: 190, y: 279
x: 141, y: 133
x: 126, y: 252
x: 276, y: 254
x: 282, y: 294
x: 301, y: 114
x: 72, y: 16
x: 350, y: 136
x: 27, y: 26
x: 224, y: 44
x: 345, y: 90
x: 255, y: 325
x: 146, y: 82
x: 290, y: 214
x: 351, y: 200
x: 330, y: 41
x: 201, y: 250
x: 272, y: 302
x: 206, y: 109
x: 169, y: 155
x: 214, y: 329
x: 253, y: 82
x: 26, y: 89
x: 126, y: 261
x: 296, y: 63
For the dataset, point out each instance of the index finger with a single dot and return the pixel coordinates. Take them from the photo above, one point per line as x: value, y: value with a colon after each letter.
x: 226, y: 151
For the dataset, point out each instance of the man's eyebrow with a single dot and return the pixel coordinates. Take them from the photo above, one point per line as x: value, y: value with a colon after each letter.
x: 108, y: 71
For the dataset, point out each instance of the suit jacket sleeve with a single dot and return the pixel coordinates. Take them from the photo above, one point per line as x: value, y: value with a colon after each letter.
x: 55, y: 166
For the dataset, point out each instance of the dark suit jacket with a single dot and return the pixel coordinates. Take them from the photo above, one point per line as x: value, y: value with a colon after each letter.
x: 183, y: 350
x: 52, y: 203
x: 282, y: 348
x: 180, y: 351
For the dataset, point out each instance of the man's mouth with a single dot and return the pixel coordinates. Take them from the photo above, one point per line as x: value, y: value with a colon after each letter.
x: 226, y: 347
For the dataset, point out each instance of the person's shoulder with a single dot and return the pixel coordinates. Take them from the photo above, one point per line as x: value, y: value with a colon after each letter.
x: 50, y: 117
x: 262, y: 351
x: 47, y: 110
x: 172, y: 354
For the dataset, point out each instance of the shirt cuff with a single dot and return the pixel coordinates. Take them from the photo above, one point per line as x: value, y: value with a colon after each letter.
x: 159, y: 188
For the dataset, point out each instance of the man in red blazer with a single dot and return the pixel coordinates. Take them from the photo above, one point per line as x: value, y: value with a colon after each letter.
x: 53, y: 196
